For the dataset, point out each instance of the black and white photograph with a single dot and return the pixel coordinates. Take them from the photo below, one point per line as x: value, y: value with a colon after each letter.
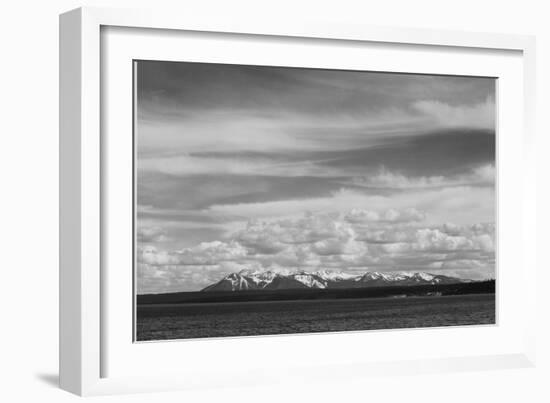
x: 281, y: 200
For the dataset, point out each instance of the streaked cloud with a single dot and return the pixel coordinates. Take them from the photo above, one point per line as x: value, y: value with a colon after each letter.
x: 459, y: 204
x: 332, y: 241
x: 481, y: 115
x: 481, y: 175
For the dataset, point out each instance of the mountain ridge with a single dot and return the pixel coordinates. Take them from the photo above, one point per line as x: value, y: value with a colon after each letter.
x: 245, y: 280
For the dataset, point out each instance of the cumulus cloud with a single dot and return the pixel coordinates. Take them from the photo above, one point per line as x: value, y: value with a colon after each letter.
x: 460, y: 204
x: 436, y: 240
x: 385, y: 240
x: 150, y: 234
x: 152, y: 256
x: 306, y: 229
x: 391, y: 215
x: 206, y: 253
x: 172, y: 278
x: 481, y: 115
x: 384, y: 178
x: 473, y: 269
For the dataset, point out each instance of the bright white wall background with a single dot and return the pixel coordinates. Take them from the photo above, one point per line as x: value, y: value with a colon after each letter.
x: 29, y: 212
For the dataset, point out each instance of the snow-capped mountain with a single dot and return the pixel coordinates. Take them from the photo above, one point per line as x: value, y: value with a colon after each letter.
x: 268, y: 280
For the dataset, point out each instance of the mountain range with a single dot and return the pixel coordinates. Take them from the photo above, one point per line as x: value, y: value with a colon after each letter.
x: 269, y: 280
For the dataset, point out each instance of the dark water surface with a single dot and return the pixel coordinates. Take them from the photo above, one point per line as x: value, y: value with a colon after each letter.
x: 184, y: 321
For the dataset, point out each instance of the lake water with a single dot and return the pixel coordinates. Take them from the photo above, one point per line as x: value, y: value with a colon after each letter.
x: 184, y: 321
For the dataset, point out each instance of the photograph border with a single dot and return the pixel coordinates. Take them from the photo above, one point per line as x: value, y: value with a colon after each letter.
x: 81, y: 244
x: 135, y: 178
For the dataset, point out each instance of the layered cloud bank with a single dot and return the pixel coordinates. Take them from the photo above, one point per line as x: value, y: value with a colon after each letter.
x: 243, y: 167
x: 356, y: 241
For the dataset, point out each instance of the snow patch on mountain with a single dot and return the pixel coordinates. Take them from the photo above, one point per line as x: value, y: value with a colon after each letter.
x: 257, y: 280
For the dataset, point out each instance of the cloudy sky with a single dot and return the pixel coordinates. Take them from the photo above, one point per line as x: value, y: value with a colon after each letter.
x: 272, y: 168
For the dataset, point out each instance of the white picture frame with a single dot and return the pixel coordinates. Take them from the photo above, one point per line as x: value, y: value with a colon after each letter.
x: 84, y: 340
